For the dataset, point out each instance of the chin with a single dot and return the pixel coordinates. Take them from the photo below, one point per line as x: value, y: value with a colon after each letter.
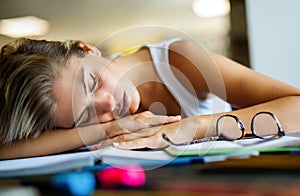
x: 105, y: 118
x: 134, y: 106
x: 134, y: 103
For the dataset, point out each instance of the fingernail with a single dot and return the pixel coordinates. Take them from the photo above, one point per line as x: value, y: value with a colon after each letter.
x: 177, y: 117
x: 91, y: 148
x: 115, y: 144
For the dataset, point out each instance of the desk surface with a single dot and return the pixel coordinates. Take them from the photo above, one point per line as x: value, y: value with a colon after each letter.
x: 255, y: 176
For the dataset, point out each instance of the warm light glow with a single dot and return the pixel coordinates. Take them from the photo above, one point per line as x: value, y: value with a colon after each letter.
x: 23, y: 26
x: 211, y: 8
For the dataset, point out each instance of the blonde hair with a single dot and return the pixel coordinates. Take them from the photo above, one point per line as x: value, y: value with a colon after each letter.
x: 28, y: 70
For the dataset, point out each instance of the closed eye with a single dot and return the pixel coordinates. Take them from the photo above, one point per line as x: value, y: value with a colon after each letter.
x: 95, y: 83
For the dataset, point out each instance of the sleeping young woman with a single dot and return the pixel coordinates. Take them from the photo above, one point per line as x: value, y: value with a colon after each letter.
x: 57, y: 96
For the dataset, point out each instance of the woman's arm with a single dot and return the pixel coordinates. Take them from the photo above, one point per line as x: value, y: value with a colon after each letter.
x: 50, y: 142
x: 246, y: 89
x: 57, y: 141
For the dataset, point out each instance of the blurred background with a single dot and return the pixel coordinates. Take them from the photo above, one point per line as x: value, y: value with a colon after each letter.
x: 263, y: 35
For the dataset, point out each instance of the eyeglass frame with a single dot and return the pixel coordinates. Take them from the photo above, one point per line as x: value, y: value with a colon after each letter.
x: 280, y: 131
x: 241, y: 125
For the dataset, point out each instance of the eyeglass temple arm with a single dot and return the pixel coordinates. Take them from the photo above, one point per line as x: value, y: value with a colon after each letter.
x: 165, y: 137
x: 196, y: 141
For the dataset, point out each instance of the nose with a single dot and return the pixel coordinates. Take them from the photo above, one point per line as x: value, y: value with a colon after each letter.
x: 104, y: 102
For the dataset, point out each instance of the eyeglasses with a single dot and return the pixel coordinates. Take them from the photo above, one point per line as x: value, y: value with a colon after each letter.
x: 264, y: 125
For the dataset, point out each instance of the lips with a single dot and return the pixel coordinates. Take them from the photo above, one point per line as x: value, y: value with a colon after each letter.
x: 123, y: 106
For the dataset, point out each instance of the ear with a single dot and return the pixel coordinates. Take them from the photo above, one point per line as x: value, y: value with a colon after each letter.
x: 90, y: 48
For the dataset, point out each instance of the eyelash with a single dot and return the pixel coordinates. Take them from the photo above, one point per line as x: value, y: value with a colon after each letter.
x: 95, y: 82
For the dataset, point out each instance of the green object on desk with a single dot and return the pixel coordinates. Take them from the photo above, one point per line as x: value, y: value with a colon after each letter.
x: 285, y: 150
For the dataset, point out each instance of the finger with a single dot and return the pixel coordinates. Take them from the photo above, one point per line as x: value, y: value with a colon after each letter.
x: 101, y: 144
x: 125, y: 138
x: 147, y: 119
x: 140, y: 121
x: 135, y: 135
x: 146, y: 142
x: 160, y: 120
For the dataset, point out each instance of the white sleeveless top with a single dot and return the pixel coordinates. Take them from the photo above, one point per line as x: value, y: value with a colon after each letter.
x: 188, y: 101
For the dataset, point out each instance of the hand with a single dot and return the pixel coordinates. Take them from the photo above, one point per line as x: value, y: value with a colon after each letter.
x: 179, y: 131
x: 131, y: 124
x: 137, y: 122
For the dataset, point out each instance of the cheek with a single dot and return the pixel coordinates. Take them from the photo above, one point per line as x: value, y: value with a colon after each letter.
x: 108, y: 82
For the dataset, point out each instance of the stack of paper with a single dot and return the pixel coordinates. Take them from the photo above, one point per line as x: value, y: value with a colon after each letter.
x: 70, y: 161
x: 203, y: 152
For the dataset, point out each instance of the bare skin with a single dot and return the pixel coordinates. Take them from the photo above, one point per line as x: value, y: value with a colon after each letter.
x: 240, y: 86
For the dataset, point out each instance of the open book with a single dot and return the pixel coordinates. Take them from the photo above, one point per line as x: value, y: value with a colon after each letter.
x: 289, y: 142
x: 69, y: 161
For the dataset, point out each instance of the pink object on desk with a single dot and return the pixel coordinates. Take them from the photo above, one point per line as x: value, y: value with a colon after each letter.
x: 129, y: 175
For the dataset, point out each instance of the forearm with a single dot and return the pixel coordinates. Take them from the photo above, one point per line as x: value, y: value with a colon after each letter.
x: 47, y: 143
x: 54, y: 141
x: 287, y: 110
x: 57, y: 141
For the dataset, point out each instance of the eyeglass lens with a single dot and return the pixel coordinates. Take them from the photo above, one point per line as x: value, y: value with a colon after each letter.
x: 264, y: 125
x: 229, y: 128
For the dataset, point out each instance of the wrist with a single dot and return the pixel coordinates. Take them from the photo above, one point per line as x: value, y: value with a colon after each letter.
x: 110, y: 128
x: 92, y: 133
x: 206, y: 126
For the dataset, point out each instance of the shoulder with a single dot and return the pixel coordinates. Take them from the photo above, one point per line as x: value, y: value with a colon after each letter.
x: 189, y: 59
x: 184, y: 52
x: 182, y: 43
x: 187, y: 47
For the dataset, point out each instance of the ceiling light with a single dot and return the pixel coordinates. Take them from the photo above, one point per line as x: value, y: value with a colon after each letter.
x: 211, y: 8
x: 23, y: 26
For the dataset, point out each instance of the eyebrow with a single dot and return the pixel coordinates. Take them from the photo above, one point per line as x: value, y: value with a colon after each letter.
x: 85, y: 90
x: 79, y: 118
